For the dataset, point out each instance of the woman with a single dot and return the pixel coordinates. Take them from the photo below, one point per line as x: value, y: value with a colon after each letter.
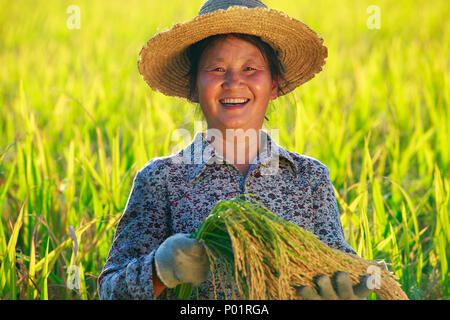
x: 232, y: 59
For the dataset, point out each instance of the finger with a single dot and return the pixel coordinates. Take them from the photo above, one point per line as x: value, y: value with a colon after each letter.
x: 361, y: 290
x: 190, y: 260
x: 196, y: 249
x: 307, y: 293
x: 190, y: 246
x: 199, y: 275
x: 325, y: 288
x: 192, y: 269
x: 344, y: 286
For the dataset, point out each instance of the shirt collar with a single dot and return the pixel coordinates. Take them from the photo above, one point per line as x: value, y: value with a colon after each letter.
x: 200, y: 153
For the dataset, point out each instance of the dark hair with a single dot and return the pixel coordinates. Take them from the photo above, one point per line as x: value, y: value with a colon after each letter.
x: 195, y: 51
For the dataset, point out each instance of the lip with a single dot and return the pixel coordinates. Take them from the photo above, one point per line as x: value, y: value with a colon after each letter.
x: 241, y: 106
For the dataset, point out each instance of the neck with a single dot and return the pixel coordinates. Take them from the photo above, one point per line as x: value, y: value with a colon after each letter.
x: 237, y: 146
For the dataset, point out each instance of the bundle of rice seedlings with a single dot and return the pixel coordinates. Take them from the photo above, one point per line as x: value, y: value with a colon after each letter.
x: 264, y: 257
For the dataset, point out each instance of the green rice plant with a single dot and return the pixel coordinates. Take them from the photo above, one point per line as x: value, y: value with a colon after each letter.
x: 45, y: 274
x: 7, y: 269
x: 442, y: 232
x: 32, y: 292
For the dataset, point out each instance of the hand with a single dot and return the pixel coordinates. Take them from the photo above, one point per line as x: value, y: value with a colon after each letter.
x: 342, y: 290
x: 180, y: 259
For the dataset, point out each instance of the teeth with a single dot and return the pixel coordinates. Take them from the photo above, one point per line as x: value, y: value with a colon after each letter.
x: 233, y: 101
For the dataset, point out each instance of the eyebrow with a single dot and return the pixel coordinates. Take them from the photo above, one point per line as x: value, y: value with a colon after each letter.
x: 218, y: 60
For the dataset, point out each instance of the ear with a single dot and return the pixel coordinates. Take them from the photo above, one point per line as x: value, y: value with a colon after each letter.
x: 274, y: 92
x: 194, y: 97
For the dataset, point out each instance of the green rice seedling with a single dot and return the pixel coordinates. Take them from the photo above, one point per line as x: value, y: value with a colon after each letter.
x: 32, y: 292
x: 267, y: 256
x: 45, y: 274
x: 442, y: 232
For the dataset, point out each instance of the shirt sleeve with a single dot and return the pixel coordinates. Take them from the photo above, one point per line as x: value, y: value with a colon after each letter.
x: 127, y: 273
x: 327, y: 224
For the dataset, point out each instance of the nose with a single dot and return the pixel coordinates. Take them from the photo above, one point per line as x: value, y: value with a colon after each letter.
x: 233, y: 79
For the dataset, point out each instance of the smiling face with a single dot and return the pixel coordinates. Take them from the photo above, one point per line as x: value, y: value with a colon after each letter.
x: 234, y: 85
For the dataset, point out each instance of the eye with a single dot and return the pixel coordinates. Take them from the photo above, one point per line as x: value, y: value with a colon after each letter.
x: 218, y: 69
x: 249, y: 68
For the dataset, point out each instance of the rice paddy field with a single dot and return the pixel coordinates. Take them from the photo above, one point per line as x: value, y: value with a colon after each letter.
x: 77, y: 121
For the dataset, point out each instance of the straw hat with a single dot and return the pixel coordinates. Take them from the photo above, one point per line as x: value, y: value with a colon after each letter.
x: 164, y: 63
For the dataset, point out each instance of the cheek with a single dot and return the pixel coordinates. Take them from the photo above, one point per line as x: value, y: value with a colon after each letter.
x: 207, y: 92
x: 206, y: 85
x: 262, y: 86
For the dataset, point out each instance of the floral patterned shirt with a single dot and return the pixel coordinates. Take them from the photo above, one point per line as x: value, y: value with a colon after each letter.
x: 174, y: 194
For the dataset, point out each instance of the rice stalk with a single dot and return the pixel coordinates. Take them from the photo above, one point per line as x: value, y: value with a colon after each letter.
x: 271, y: 256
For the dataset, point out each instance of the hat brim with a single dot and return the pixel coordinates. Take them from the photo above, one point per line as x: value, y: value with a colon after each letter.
x: 164, y: 63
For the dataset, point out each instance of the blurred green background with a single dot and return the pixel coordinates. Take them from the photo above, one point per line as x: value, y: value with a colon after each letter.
x: 77, y: 121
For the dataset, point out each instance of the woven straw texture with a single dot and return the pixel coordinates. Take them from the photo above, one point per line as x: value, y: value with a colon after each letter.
x: 164, y: 63
x: 210, y: 6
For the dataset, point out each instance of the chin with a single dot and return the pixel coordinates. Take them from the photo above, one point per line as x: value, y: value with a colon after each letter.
x: 236, y: 124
